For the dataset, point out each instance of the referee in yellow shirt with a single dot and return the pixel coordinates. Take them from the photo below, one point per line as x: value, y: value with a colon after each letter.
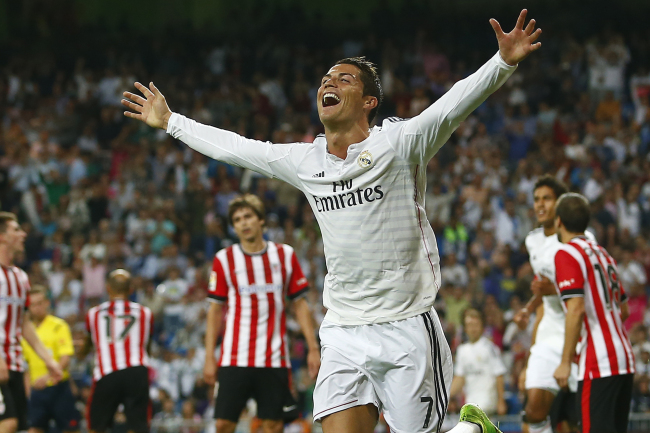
x: 49, y: 400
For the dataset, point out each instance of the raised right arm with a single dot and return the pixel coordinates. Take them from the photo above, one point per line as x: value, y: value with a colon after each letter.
x: 231, y: 148
x: 272, y: 160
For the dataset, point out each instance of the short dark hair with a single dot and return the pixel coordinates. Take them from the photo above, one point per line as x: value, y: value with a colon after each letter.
x: 573, y: 210
x: 5, y: 217
x: 250, y: 201
x: 370, y: 79
x: 38, y: 289
x: 552, y: 182
x: 120, y: 281
x: 473, y: 312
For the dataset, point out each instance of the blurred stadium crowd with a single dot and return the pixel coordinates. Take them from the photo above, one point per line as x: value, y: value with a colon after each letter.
x: 96, y: 191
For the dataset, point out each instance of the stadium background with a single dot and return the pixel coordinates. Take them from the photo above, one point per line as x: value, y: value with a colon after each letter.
x: 95, y: 190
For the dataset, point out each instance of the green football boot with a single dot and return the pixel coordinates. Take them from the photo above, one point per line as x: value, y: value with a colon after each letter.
x: 474, y: 414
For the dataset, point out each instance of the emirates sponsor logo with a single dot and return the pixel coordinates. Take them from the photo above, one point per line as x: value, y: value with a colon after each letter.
x: 259, y: 288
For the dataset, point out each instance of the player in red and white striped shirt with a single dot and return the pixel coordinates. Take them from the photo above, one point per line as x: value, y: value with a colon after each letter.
x: 120, y: 331
x: 14, y: 325
x: 253, y: 279
x: 588, y: 282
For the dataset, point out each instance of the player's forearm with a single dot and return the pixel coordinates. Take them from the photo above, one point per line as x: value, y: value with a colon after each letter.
x: 573, y: 326
x: 64, y: 361
x: 539, y: 313
x: 534, y: 302
x: 212, y: 330
x: 625, y: 310
x: 501, y: 388
x: 220, y: 144
x: 444, y: 116
x: 457, y: 384
x: 306, y: 322
x: 29, y: 334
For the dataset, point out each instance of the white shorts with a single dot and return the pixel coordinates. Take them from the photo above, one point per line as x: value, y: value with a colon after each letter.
x: 403, y: 367
x: 544, y: 359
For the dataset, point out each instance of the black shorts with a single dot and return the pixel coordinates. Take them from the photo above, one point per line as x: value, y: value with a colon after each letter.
x: 56, y: 403
x: 129, y: 387
x: 269, y: 387
x: 13, y: 400
x: 605, y: 404
x: 565, y: 408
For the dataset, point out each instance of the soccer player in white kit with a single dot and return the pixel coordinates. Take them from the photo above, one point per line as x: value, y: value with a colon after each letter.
x: 382, y: 345
x: 548, y: 332
x: 479, y: 370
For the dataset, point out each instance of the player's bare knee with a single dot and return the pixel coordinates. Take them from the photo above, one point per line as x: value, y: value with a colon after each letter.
x: 535, y: 413
x: 9, y: 425
x: 225, y: 426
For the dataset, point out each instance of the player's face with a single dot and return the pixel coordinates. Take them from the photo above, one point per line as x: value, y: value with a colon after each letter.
x: 247, y: 224
x: 14, y: 237
x: 38, y: 305
x: 473, y: 328
x: 544, y: 205
x: 340, y: 95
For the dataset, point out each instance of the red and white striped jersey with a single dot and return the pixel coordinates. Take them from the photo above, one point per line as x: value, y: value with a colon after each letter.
x: 584, y: 268
x: 120, y: 331
x: 255, y: 287
x: 14, y: 299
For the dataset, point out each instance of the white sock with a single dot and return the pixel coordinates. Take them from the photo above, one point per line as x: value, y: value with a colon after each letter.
x: 465, y: 427
x: 541, y: 427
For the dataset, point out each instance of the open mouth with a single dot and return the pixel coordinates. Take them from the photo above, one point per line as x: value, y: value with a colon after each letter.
x: 330, y: 99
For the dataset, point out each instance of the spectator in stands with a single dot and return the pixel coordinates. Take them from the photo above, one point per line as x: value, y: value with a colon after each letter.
x: 479, y: 370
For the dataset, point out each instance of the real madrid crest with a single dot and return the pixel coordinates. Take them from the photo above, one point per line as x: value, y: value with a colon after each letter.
x: 365, y: 159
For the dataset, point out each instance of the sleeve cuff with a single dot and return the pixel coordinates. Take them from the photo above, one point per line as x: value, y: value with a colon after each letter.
x: 217, y: 299
x: 499, y: 60
x: 172, y: 121
x: 299, y: 293
x: 572, y: 293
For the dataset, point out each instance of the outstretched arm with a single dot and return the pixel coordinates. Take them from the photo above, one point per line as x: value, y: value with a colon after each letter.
x: 261, y: 157
x: 426, y: 133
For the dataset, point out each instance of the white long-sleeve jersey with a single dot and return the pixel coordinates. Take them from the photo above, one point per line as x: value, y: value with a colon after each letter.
x: 381, y: 253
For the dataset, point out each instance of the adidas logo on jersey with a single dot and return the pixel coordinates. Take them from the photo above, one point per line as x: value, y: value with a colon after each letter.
x: 321, y: 174
x: 566, y: 283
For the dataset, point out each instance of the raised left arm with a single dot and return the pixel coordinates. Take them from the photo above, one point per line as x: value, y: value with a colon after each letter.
x: 424, y: 134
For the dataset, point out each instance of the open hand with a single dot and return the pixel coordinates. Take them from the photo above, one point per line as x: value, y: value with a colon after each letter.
x: 519, y: 43
x: 152, y: 109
